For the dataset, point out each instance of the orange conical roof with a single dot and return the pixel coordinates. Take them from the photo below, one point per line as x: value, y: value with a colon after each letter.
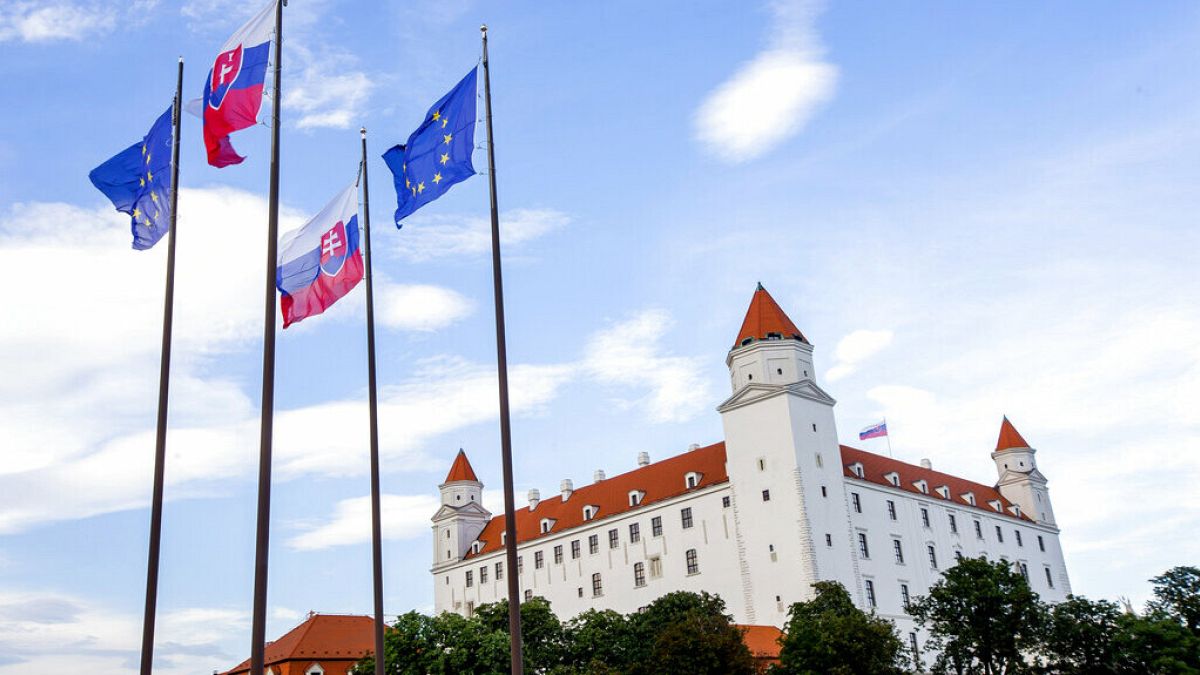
x: 1009, y: 437
x: 461, y: 470
x: 766, y: 318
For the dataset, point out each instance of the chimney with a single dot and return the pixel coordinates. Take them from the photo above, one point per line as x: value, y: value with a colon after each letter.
x: 693, y: 446
x: 534, y: 497
x: 926, y: 464
x: 643, y: 458
x: 598, y: 476
x: 567, y: 488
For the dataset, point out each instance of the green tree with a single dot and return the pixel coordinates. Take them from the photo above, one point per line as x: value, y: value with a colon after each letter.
x: 1154, y: 645
x: 1081, y: 637
x: 542, y: 639
x: 684, y: 632
x: 599, y: 641
x: 1177, y: 596
x: 828, y: 634
x: 982, y: 617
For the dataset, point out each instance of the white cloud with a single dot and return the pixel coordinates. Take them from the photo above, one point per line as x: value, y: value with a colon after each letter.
x: 49, y: 21
x: 328, y: 91
x: 630, y: 354
x: 437, y: 236
x: 419, y: 307
x: 772, y: 96
x: 855, y: 348
x: 401, y: 517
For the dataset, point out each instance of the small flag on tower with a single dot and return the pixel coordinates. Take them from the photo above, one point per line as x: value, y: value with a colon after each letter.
x: 320, y: 262
x: 138, y: 182
x: 438, y: 154
x: 873, y: 431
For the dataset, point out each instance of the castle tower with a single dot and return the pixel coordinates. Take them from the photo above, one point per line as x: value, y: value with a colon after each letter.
x: 784, y: 465
x: 1020, y: 481
x: 461, y: 517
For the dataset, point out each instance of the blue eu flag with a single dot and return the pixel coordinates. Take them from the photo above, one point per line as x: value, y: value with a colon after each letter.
x: 438, y: 153
x: 138, y: 182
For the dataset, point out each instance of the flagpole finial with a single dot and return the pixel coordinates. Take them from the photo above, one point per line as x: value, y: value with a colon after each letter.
x: 181, y: 58
x: 483, y: 29
x: 363, y: 131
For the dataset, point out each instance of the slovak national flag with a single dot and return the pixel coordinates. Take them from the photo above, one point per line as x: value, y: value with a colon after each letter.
x: 233, y: 92
x: 873, y: 431
x: 321, y: 261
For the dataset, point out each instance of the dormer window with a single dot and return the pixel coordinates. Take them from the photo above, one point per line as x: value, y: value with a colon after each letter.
x: 590, y: 511
x: 315, y: 669
x: 635, y: 497
x: 995, y: 504
x: 691, y: 479
x: 922, y: 486
x: 943, y: 491
x: 1016, y: 510
x: 969, y: 498
x: 547, y: 524
x: 475, y: 546
x: 774, y: 336
x: 503, y: 536
x: 893, y: 478
x: 857, y: 469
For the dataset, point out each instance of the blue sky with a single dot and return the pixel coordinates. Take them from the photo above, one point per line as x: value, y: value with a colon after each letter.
x: 971, y: 210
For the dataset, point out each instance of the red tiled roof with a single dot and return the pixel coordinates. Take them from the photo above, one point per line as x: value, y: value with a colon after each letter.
x: 766, y: 317
x: 321, y: 637
x: 659, y: 481
x: 1009, y: 437
x: 461, y: 469
x: 877, y: 467
x: 762, y: 641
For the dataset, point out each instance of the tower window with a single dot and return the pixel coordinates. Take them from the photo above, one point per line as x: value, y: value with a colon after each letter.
x: 829, y: 540
x: 1041, y: 544
x: 1018, y: 535
x: 725, y: 502
x: 953, y: 524
x: 898, y: 549
x: 925, y: 516
x: 814, y: 426
x: 999, y: 534
x: 749, y: 376
x: 863, y: 549
x: 693, y: 566
x: 870, y: 587
x: 891, y: 509
x: 932, y: 556
x: 904, y: 597
x: 1049, y: 578
x: 762, y: 464
x: 856, y: 502
x: 824, y: 493
x: 978, y: 530
x: 766, y: 495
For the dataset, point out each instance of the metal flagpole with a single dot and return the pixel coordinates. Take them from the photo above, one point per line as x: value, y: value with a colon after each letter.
x: 376, y: 527
x: 888, y: 436
x: 258, y: 631
x: 164, y: 379
x: 510, y: 521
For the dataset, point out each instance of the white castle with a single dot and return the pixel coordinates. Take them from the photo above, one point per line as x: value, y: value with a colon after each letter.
x: 757, y: 518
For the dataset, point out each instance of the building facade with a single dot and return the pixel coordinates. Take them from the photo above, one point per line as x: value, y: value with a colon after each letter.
x: 756, y: 518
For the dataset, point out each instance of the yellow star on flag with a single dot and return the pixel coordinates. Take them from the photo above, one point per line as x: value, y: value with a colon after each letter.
x: 437, y: 178
x: 137, y: 213
x: 444, y: 123
x: 141, y: 182
x: 154, y: 197
x: 448, y: 137
x: 421, y: 187
x: 445, y: 158
x: 149, y: 175
x: 147, y: 157
x: 407, y: 184
x: 437, y: 115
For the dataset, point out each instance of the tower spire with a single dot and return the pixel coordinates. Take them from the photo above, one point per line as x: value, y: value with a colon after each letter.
x: 461, y: 469
x: 765, y: 319
x: 1009, y: 437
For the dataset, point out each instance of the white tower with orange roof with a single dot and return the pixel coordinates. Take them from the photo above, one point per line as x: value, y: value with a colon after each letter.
x: 461, y: 517
x: 1020, y: 481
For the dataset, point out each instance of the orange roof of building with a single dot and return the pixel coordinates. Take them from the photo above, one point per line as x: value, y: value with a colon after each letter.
x: 877, y: 467
x: 765, y: 318
x: 762, y: 641
x: 659, y: 481
x: 1009, y: 437
x: 329, y: 637
x: 461, y: 469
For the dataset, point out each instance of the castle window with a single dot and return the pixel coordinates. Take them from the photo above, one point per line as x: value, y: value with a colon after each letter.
x: 1016, y: 509
x: 528, y: 594
x: 447, y: 554
x: 503, y: 536
x: 685, y: 516
x: 593, y: 543
x: 635, y: 533
x: 499, y: 571
x: 978, y: 530
x: 693, y: 566
x: 922, y: 486
x: 656, y: 567
x: 863, y: 549
x: 691, y: 479
x: 639, y: 575
x: 870, y: 587
x: 635, y: 497
x: 969, y: 498
x: 829, y: 540
x: 999, y: 534
x: 656, y: 526
x: 891, y: 509
x: 779, y: 371
x: 995, y: 504
x: 814, y: 426
x: 589, y: 512
x: 597, y: 587
x: 520, y: 565
x: 580, y: 590
x: 762, y: 464
x: 819, y: 460
x: 1024, y: 570
x: 898, y: 549
x: 447, y: 534
x: 925, y: 516
x: 824, y: 493
x: 958, y: 555
x: 725, y: 502
x: 547, y: 523
x: 904, y: 596
x: 614, y: 539
x: 470, y: 578
x: 771, y: 550
x: 766, y: 495
x: 912, y: 646
x: 539, y: 561
x: 749, y: 376
x: 856, y: 502
x: 483, y: 574
x: 1018, y: 535
x: 953, y: 524
x: 943, y: 491
x: 894, y: 479
x: 1049, y: 578
x: 558, y: 555
x: 1041, y: 544
x: 575, y: 549
x: 857, y: 469
x: 315, y: 669
x: 932, y: 556
x: 474, y: 547
x: 774, y: 336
